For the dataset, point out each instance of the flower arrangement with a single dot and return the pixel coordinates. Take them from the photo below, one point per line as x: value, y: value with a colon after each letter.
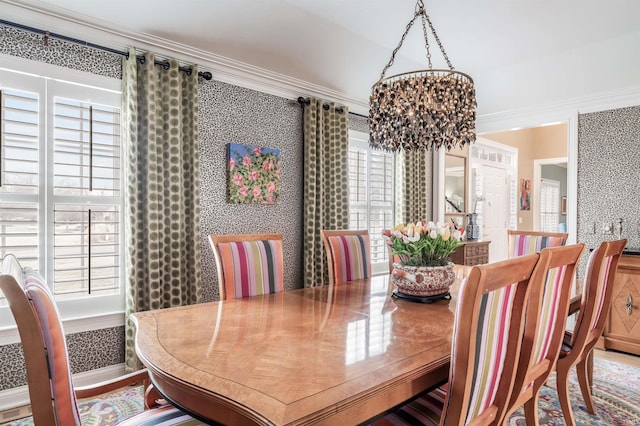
x: 475, y: 205
x: 423, y: 243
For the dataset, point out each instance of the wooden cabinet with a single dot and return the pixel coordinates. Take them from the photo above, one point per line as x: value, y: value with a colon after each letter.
x: 622, y: 330
x: 471, y: 253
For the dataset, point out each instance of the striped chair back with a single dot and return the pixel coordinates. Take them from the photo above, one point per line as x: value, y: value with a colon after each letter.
x: 546, y: 320
x: 348, y: 255
x: 577, y: 348
x: 44, y: 344
x: 598, y: 288
x: 525, y: 242
x: 486, y: 341
x: 248, y: 264
x: 487, y: 336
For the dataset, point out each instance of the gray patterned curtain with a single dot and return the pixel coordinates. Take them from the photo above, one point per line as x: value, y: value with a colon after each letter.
x: 162, y: 197
x: 326, y: 183
x: 414, y: 174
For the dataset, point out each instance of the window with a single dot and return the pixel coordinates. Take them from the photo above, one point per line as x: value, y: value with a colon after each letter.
x: 549, y: 205
x: 60, y: 186
x: 371, y: 195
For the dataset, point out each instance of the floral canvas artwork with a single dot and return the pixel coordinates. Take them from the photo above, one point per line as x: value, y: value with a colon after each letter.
x: 253, y: 174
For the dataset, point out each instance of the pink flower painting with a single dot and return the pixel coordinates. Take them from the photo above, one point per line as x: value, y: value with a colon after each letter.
x: 253, y: 165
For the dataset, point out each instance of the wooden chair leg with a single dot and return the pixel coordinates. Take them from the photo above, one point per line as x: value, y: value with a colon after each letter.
x: 582, y: 370
x: 531, y: 411
x: 562, y: 385
x: 590, y: 369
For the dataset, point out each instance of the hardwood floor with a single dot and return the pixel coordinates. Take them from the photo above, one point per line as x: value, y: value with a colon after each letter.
x: 621, y: 357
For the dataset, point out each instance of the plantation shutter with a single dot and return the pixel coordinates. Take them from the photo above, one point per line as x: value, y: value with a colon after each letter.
x: 381, y: 202
x: 371, y: 196
x: 549, y: 205
x: 357, y: 188
x: 19, y: 179
x: 86, y: 180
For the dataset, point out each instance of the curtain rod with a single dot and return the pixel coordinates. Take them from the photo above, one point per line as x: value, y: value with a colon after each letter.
x: 204, y: 74
x: 339, y: 110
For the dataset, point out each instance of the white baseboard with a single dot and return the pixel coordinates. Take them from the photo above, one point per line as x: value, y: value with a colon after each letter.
x: 18, y: 397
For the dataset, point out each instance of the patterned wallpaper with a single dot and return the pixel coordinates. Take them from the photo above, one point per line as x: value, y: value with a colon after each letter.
x: 608, y: 175
x: 358, y: 123
x: 234, y: 114
x: 88, y: 350
x: 30, y: 46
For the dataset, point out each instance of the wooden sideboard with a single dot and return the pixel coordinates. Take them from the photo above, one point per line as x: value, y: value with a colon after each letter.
x: 622, y: 330
x: 471, y: 253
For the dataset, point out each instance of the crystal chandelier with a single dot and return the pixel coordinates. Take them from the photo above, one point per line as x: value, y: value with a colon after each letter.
x: 422, y: 109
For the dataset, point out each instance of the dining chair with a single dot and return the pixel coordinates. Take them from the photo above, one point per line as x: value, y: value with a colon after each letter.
x: 348, y: 254
x: 248, y: 264
x: 527, y: 242
x: 51, y: 391
x: 487, y: 336
x: 592, y: 308
x: 546, y: 318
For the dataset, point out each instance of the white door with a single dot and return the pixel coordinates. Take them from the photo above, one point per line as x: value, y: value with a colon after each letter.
x: 494, y: 211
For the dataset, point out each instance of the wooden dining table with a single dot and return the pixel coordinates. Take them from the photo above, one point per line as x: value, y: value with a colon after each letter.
x: 336, y: 355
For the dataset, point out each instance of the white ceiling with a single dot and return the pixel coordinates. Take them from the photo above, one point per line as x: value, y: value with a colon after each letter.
x: 519, y: 52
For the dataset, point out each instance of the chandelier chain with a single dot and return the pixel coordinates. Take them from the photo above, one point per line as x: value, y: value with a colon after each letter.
x: 426, y: 40
x: 420, y: 11
x: 393, y: 54
x: 435, y: 35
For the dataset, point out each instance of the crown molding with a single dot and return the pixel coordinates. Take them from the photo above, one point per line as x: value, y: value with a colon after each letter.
x: 561, y: 111
x: 226, y: 70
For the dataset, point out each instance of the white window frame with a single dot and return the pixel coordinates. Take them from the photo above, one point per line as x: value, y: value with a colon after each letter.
x: 86, y: 313
x: 360, y: 140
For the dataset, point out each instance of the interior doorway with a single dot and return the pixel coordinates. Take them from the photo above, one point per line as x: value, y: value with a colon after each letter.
x: 495, y: 209
x: 537, y: 147
x: 493, y: 195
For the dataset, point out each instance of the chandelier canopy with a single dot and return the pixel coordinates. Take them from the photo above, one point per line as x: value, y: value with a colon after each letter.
x: 422, y: 109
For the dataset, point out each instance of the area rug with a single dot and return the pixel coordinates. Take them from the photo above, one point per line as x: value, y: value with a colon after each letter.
x: 616, y: 393
x: 106, y: 410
